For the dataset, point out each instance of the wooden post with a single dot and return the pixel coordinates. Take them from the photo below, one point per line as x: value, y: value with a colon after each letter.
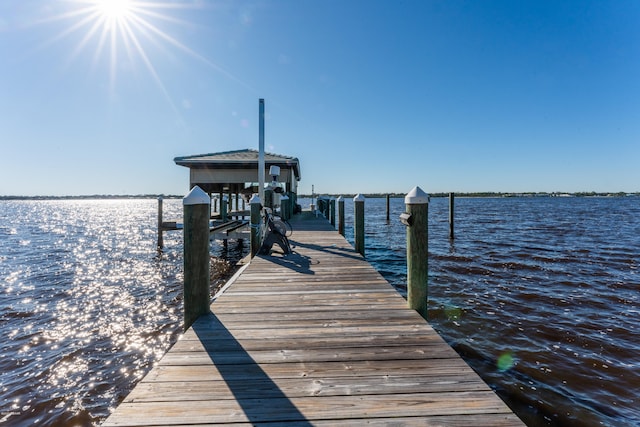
x: 255, y: 205
x: 284, y: 207
x: 332, y: 207
x: 359, y: 223
x: 196, y: 255
x: 341, y: 215
x: 268, y: 198
x: 160, y: 228
x: 223, y: 208
x: 387, y: 208
x: 312, y: 206
x: 417, y: 205
x: 451, y: 201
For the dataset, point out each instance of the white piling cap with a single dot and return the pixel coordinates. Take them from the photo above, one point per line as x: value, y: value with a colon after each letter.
x: 416, y: 197
x: 196, y: 197
x: 255, y: 199
x: 340, y: 199
x: 358, y: 198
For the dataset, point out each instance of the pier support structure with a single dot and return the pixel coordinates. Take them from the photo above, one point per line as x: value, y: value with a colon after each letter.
x: 415, y: 218
x: 284, y: 208
x: 255, y: 205
x: 358, y: 202
x: 451, y: 217
x: 196, y: 255
x: 341, y: 215
x: 160, y: 227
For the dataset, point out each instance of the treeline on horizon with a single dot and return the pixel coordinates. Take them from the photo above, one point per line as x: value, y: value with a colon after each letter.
x: 346, y: 195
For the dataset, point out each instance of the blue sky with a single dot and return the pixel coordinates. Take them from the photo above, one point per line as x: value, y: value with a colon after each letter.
x: 371, y: 96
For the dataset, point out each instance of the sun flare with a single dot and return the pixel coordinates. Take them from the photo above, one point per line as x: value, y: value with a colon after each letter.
x: 114, y: 9
x: 121, y: 35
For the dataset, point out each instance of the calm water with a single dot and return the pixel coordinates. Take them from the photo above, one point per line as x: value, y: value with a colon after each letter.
x: 539, y: 295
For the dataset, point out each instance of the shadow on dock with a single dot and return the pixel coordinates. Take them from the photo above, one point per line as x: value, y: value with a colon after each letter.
x: 256, y: 393
x: 295, y: 261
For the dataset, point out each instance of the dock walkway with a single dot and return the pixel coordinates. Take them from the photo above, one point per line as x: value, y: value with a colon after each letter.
x: 313, y: 338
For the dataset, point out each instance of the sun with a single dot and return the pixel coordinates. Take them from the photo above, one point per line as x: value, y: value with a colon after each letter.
x: 114, y: 9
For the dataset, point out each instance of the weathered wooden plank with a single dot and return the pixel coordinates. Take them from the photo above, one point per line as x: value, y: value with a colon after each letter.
x: 234, y: 355
x: 492, y: 420
x: 249, y: 369
x: 300, y: 387
x: 251, y: 344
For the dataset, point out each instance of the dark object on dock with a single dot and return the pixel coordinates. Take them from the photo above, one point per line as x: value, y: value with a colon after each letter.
x: 276, y: 234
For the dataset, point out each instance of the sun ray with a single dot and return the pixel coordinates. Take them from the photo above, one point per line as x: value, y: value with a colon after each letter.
x: 152, y: 70
x: 117, y: 30
x: 186, y: 49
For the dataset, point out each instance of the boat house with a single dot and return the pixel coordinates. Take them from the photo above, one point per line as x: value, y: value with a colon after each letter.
x: 236, y: 172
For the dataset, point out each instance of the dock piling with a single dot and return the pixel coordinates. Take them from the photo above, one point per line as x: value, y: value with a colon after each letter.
x: 451, y: 202
x: 332, y: 207
x: 284, y: 207
x: 160, y: 227
x: 224, y: 208
x: 417, y: 206
x: 196, y: 207
x: 388, y: 207
x: 255, y: 206
x: 359, y: 223
x: 341, y: 215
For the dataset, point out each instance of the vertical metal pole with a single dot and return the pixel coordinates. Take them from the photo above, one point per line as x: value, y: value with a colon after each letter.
x: 261, y: 150
x: 359, y: 223
x: 451, y: 202
x: 196, y: 255
x: 417, y: 205
x: 160, y: 228
x: 255, y: 206
x: 341, y: 215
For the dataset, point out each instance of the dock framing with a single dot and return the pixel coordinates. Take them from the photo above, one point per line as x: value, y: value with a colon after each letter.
x: 313, y: 338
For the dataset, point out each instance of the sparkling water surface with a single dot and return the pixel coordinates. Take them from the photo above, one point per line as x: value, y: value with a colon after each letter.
x: 539, y: 295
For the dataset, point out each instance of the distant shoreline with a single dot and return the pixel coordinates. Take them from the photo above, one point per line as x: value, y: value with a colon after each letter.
x: 487, y: 194
x: 93, y: 197
x: 367, y: 195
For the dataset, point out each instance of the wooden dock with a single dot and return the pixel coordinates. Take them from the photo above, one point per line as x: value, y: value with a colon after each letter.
x: 313, y: 338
